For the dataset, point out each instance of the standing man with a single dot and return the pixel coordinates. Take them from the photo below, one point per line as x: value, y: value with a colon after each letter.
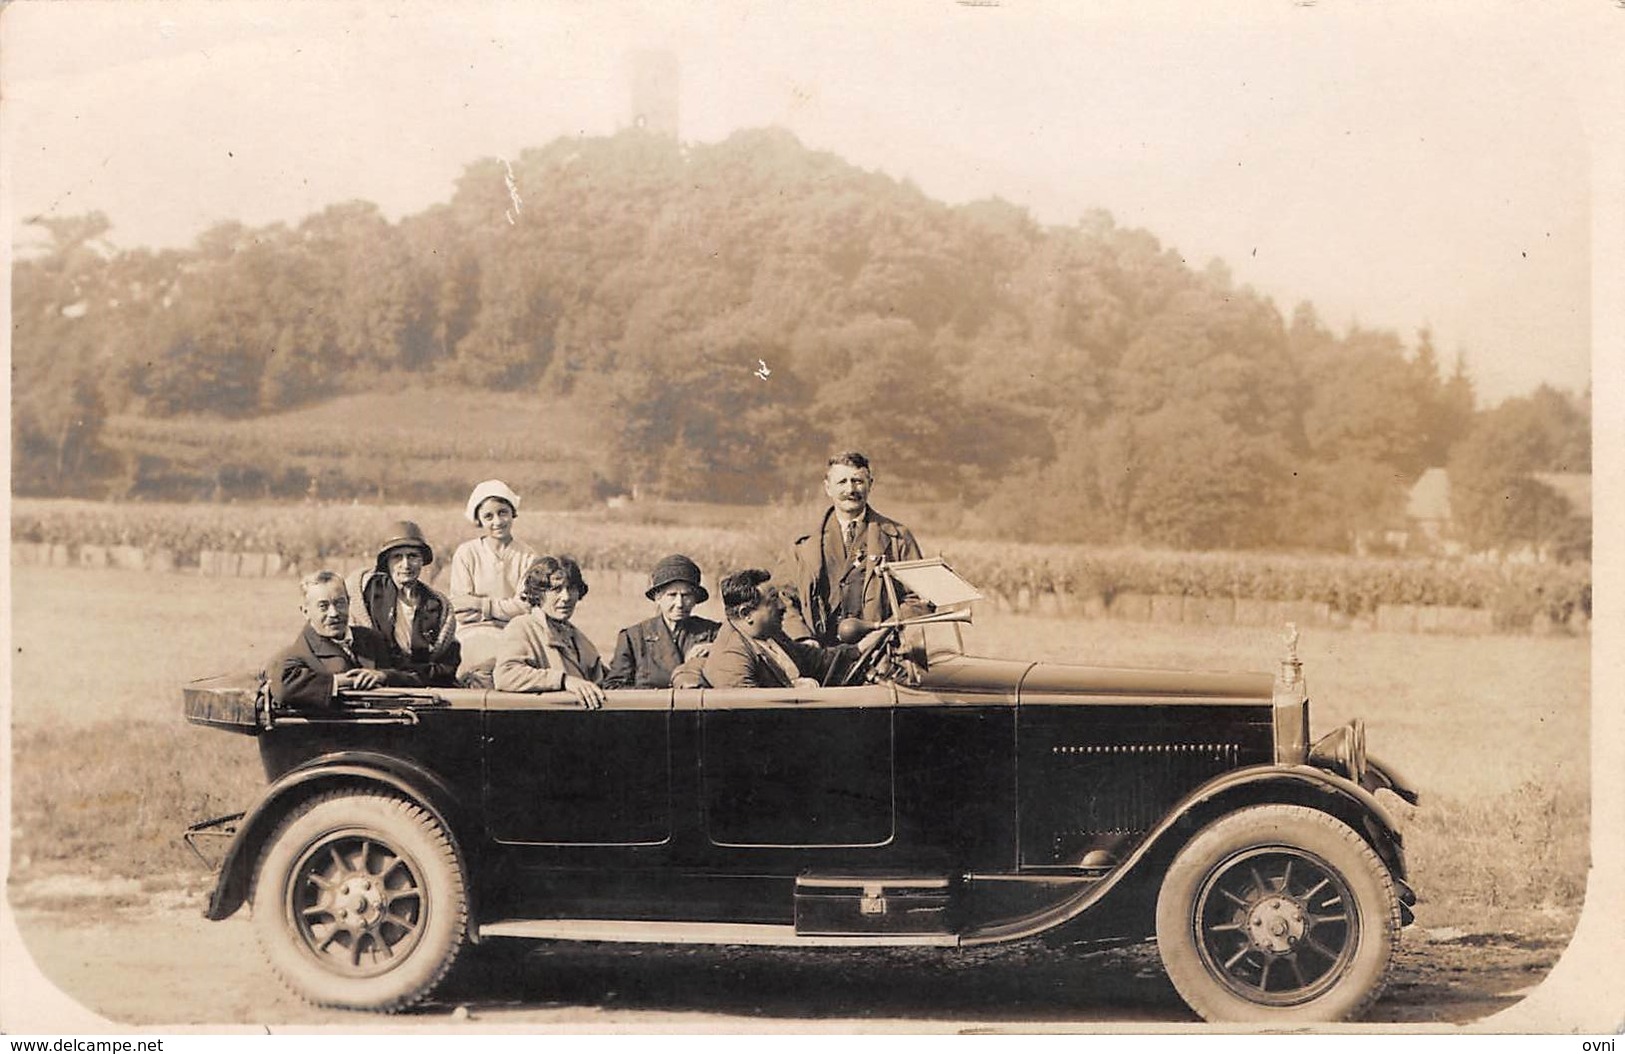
x: 834, y: 567
x: 331, y: 655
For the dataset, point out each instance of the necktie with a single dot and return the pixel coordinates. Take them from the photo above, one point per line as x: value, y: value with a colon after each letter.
x: 851, y: 534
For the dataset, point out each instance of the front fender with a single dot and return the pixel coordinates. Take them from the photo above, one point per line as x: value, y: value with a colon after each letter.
x: 347, y: 768
x: 1257, y: 785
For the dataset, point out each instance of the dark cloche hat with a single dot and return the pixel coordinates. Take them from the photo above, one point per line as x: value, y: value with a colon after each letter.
x: 676, y: 568
x: 402, y: 535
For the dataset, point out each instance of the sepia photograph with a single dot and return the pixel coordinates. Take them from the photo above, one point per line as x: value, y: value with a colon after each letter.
x: 951, y: 516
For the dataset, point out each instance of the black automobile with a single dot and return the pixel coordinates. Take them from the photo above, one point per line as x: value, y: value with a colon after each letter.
x: 930, y: 798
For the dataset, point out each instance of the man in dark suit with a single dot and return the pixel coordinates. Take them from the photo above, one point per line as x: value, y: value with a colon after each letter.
x: 835, y: 568
x: 331, y: 655
x: 752, y: 651
x: 647, y: 653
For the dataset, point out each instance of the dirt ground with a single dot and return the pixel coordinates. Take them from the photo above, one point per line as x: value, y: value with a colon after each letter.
x: 151, y: 959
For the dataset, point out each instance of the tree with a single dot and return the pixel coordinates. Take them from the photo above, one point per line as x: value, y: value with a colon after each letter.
x: 696, y: 418
x: 59, y: 326
x: 1496, y: 503
x: 1184, y: 477
x: 1366, y: 405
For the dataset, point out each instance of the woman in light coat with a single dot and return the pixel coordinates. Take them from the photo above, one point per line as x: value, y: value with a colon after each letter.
x: 542, y: 651
x: 486, y: 575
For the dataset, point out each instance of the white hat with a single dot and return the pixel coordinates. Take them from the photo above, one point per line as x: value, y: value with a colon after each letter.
x: 491, y: 488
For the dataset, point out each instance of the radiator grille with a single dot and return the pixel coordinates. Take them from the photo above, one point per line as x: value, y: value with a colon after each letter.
x: 1123, y: 789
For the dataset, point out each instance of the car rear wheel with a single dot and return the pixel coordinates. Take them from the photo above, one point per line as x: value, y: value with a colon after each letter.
x: 1277, y: 913
x: 359, y: 901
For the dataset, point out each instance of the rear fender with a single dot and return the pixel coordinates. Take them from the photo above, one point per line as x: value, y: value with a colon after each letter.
x: 1133, y: 885
x: 348, y: 769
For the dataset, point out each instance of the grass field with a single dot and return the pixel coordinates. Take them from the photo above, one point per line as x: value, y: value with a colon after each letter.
x: 632, y: 536
x: 417, y: 443
x: 105, y: 773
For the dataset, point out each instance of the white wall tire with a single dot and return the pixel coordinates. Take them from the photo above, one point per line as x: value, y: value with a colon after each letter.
x: 359, y: 901
x: 1277, y: 914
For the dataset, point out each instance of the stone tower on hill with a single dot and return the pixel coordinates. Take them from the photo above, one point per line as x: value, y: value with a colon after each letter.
x: 655, y: 86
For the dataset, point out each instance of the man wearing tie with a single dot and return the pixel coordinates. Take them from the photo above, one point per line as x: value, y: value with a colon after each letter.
x: 834, y: 567
x: 331, y: 655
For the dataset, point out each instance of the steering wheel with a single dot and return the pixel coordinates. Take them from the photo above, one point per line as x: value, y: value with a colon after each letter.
x: 869, y: 651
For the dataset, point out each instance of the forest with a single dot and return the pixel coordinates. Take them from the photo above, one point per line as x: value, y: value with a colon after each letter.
x: 706, y: 322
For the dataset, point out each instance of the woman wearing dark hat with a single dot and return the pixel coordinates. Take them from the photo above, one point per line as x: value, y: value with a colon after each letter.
x: 417, y: 621
x: 647, y: 653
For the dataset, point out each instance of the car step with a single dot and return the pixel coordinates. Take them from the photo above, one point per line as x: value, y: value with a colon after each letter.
x: 699, y: 933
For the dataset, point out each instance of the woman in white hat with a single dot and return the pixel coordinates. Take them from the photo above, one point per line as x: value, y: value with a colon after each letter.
x: 487, y: 574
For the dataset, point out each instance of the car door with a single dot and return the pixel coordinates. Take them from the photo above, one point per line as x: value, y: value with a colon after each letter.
x: 559, y: 774
x: 797, y: 768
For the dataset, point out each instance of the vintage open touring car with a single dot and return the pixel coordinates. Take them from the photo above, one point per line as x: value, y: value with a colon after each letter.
x: 930, y: 798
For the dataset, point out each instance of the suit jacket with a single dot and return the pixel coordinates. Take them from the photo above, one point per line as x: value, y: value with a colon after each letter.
x: 435, y: 653
x: 646, y: 655
x: 820, y: 588
x: 302, y: 675
x: 536, y: 653
x: 736, y: 661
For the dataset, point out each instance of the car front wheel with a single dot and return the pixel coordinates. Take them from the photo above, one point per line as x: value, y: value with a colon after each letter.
x: 1277, y: 913
x: 359, y: 901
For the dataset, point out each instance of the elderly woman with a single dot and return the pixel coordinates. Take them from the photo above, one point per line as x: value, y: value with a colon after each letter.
x: 541, y: 651
x: 415, y: 619
x: 486, y: 574
x: 647, y: 653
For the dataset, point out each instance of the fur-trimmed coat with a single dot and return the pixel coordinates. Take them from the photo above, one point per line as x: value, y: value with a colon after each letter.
x: 435, y: 653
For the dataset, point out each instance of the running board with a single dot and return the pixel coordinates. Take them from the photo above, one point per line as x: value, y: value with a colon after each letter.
x: 700, y: 933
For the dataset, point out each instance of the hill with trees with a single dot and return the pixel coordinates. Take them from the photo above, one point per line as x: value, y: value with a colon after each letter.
x: 708, y: 320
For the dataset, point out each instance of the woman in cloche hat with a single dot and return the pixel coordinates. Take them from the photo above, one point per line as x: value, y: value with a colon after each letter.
x: 417, y: 620
x: 486, y: 575
x: 647, y: 653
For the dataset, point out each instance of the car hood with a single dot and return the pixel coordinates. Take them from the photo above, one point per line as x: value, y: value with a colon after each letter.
x: 1004, y: 676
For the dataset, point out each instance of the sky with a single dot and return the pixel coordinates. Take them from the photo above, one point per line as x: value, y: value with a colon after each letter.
x: 1400, y: 166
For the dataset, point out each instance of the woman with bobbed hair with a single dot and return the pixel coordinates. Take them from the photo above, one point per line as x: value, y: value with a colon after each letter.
x: 486, y: 575
x: 541, y: 650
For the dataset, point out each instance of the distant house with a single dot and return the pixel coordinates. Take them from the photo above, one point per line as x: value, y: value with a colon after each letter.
x: 1575, y: 487
x: 1427, y: 508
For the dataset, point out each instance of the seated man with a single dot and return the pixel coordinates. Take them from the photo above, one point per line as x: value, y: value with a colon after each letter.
x: 413, y: 618
x: 647, y: 653
x: 331, y: 655
x: 542, y: 650
x: 752, y: 651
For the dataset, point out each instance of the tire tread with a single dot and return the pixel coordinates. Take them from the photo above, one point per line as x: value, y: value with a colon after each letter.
x: 419, y: 817
x: 1200, y: 998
